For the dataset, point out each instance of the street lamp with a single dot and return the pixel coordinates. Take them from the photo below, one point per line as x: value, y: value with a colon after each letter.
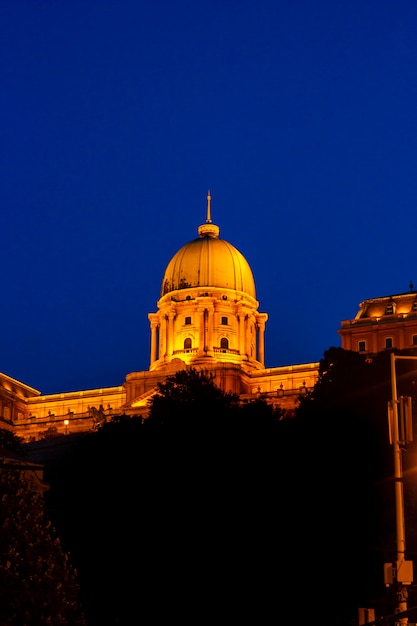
x: 66, y: 422
x: 400, y: 434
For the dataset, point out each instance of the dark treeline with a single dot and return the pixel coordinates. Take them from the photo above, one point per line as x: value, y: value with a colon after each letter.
x: 38, y: 583
x: 209, y: 511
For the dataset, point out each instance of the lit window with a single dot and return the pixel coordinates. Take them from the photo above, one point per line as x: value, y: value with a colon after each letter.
x: 187, y: 344
x: 188, y: 320
x: 362, y: 346
x: 224, y: 343
x: 225, y: 321
x: 388, y: 343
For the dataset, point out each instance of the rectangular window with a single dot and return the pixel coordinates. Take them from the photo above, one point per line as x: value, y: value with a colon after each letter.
x: 225, y: 321
x: 389, y: 309
x: 388, y: 343
x: 414, y: 340
x: 362, y: 346
x: 188, y: 320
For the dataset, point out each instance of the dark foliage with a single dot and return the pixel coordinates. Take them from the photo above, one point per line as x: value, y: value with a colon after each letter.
x: 38, y: 585
x: 171, y: 521
x: 10, y: 441
x: 209, y: 509
x: 190, y: 400
x: 343, y: 428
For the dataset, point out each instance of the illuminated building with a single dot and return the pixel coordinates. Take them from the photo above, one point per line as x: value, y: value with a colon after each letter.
x: 207, y: 318
x: 382, y: 323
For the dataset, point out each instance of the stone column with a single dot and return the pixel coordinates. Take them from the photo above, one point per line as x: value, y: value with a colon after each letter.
x: 248, y: 342
x: 171, y: 317
x: 209, y: 326
x: 261, y: 349
x: 163, y: 337
x: 242, y: 334
x: 201, y: 329
x: 154, y: 326
x: 261, y: 320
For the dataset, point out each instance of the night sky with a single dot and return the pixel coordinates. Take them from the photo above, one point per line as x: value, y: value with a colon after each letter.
x: 117, y: 116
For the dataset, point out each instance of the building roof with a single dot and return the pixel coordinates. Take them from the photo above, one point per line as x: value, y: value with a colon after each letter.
x: 401, y: 304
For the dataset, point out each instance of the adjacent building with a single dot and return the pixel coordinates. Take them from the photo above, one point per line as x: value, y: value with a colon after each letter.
x: 382, y: 323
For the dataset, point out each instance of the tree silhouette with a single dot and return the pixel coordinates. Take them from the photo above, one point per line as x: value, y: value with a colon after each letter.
x: 10, y: 441
x: 195, y: 503
x: 343, y: 435
x: 210, y: 508
x: 190, y: 399
x: 38, y: 585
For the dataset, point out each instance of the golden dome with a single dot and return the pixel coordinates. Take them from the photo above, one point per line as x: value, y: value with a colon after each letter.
x: 208, y: 261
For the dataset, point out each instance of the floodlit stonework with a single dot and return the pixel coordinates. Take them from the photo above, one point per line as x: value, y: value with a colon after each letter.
x: 382, y: 323
x: 207, y: 317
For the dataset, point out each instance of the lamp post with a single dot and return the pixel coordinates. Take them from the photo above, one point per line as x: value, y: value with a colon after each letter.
x: 403, y: 569
x: 66, y: 422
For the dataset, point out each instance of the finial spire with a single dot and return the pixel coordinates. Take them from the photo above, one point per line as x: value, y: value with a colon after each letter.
x: 208, y: 220
x: 208, y: 229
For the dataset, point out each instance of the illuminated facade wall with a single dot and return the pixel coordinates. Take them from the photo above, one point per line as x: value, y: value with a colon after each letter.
x: 280, y: 386
x: 78, y: 411
x: 14, y: 397
x: 201, y: 326
x: 381, y: 324
x: 41, y: 416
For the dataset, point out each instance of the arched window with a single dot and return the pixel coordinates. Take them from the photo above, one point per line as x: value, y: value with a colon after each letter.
x: 187, y: 344
x: 224, y: 343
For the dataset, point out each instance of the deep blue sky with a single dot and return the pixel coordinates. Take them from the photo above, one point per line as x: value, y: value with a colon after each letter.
x: 118, y: 115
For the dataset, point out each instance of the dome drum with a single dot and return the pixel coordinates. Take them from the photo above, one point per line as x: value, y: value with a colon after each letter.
x: 224, y: 297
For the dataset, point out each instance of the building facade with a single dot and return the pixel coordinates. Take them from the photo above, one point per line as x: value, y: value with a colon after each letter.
x: 382, y: 323
x: 207, y: 318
